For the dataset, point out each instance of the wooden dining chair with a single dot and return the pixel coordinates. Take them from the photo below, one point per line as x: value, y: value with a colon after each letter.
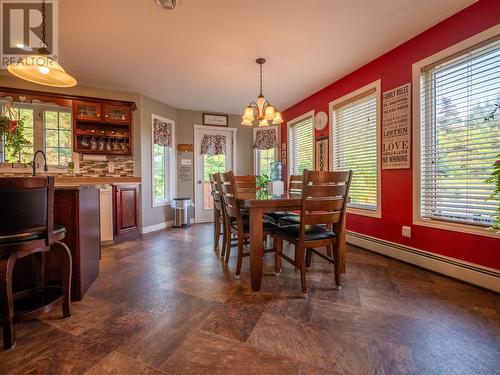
x: 236, y: 223
x: 324, y: 198
x: 246, y: 184
x: 219, y: 219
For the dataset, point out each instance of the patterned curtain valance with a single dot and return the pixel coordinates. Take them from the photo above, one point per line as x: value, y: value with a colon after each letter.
x: 162, y: 133
x: 213, y: 145
x: 265, y: 139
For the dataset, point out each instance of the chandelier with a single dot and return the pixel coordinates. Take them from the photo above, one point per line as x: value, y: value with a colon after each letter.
x: 266, y: 112
x: 40, y: 67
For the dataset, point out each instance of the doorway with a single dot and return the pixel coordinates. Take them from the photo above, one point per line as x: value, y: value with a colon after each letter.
x: 207, y: 164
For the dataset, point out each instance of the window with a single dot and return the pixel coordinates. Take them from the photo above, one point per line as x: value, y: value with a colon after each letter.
x: 57, y: 137
x: 459, y: 135
x: 27, y: 115
x: 356, y: 147
x: 301, y: 144
x: 163, y: 160
x: 264, y: 158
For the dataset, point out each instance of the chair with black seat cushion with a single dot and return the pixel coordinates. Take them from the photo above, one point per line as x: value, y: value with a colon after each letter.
x: 324, y: 197
x: 237, y: 222
x: 286, y: 217
x: 27, y: 229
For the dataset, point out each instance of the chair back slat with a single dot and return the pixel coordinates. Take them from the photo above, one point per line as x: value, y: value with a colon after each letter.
x: 322, y: 218
x: 295, y: 184
x: 246, y: 184
x: 324, y: 197
x: 329, y: 190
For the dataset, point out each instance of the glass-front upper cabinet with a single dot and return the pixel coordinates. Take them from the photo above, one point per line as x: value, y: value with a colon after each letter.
x: 116, y: 113
x: 87, y: 111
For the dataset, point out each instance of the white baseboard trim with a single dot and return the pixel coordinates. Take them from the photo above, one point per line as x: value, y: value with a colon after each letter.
x: 484, y: 277
x: 156, y: 227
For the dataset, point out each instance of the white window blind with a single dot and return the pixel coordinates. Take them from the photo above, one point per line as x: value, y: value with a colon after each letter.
x: 355, y: 147
x: 460, y: 135
x: 301, y: 146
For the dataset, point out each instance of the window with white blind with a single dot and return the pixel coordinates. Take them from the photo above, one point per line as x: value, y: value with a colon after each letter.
x: 459, y: 135
x: 301, y: 144
x: 355, y: 147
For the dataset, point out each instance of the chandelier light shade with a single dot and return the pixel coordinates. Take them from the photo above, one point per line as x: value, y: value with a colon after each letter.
x: 265, y: 112
x: 41, y: 68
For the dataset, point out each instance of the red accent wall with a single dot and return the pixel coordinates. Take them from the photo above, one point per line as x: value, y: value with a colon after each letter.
x: 394, y: 69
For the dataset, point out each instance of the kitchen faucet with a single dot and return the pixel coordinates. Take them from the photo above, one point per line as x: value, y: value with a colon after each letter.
x: 45, y: 167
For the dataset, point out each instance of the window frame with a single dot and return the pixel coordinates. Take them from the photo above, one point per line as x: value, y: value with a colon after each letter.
x: 256, y: 152
x: 289, y: 126
x: 416, y: 115
x: 172, y: 163
x: 41, y: 112
x: 376, y: 85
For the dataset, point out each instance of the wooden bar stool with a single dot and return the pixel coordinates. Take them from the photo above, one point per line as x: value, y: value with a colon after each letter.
x: 27, y: 229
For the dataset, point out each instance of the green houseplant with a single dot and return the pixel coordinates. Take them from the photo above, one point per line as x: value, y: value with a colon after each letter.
x: 12, y: 132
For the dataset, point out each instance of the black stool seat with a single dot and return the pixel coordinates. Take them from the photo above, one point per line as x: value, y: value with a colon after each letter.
x: 23, y: 237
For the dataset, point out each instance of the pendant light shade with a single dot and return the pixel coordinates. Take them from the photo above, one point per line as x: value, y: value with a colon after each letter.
x: 277, y: 119
x: 43, y: 70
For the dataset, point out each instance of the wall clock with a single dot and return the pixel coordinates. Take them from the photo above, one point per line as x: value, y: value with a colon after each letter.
x: 320, y: 120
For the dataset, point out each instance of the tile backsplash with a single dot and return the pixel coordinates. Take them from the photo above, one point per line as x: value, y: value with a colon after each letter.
x: 122, y: 166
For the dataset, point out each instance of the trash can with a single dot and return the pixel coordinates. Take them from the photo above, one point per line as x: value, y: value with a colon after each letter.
x: 181, y: 208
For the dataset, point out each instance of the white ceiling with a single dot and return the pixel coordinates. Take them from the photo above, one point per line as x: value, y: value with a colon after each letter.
x: 201, y: 55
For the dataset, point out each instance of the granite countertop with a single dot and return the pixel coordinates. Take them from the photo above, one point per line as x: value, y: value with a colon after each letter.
x: 79, y: 181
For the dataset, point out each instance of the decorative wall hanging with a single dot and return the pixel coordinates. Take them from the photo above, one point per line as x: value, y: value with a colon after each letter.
x: 213, y: 145
x: 320, y: 121
x: 396, y: 109
x: 215, y: 120
x: 322, y: 154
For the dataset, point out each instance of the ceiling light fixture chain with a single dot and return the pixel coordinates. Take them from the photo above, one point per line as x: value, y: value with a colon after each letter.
x: 44, y: 26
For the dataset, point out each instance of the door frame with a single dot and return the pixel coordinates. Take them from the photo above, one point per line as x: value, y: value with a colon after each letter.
x: 197, y: 128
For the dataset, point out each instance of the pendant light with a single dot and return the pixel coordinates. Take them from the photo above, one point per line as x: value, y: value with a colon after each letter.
x: 41, y: 68
x: 266, y: 112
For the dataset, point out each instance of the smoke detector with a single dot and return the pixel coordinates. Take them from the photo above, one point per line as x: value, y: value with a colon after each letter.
x: 168, y: 4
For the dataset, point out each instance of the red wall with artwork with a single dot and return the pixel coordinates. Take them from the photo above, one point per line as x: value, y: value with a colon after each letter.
x: 395, y: 69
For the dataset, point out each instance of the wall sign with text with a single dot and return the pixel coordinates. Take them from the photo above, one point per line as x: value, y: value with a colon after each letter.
x: 396, y: 109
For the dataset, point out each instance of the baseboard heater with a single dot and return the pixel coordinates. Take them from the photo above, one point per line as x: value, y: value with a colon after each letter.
x: 484, y: 277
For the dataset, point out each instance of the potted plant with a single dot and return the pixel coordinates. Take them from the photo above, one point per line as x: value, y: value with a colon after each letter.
x: 12, y: 132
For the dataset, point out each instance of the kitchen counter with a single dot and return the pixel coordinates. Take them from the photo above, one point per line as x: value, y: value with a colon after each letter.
x: 78, y: 181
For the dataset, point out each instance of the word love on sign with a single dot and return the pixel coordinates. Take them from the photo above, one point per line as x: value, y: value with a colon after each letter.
x: 396, y: 109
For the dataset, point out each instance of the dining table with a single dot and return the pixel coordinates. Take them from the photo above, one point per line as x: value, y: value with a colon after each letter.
x: 258, y: 203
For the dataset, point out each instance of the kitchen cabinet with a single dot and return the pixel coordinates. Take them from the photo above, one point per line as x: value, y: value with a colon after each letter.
x: 86, y: 111
x: 126, y: 212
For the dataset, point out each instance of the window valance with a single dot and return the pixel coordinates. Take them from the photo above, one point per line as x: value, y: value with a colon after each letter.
x: 162, y: 133
x: 213, y: 145
x: 265, y: 139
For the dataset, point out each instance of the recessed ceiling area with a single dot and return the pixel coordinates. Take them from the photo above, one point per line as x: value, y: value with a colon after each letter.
x: 201, y: 55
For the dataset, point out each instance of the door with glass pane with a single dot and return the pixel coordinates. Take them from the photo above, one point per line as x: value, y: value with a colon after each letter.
x: 213, y: 154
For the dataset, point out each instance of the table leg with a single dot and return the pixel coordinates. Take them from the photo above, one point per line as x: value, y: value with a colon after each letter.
x: 256, y: 248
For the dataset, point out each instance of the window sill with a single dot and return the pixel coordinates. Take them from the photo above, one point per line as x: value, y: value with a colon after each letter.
x: 456, y: 227
x: 162, y: 203
x: 361, y: 212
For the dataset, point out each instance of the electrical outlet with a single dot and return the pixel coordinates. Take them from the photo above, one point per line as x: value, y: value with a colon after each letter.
x: 111, y: 167
x: 406, y: 231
